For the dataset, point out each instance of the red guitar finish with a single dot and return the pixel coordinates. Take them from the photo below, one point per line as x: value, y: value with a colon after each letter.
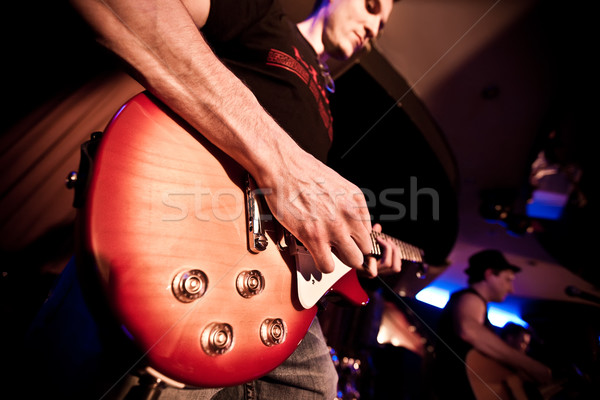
x: 165, y: 221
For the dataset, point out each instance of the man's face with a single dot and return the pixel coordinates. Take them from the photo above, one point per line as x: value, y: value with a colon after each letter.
x: 350, y: 24
x: 501, y: 284
x: 521, y: 341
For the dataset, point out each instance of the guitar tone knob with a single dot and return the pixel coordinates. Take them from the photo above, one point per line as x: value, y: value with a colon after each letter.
x: 273, y: 332
x: 250, y: 283
x: 189, y: 285
x: 217, y: 338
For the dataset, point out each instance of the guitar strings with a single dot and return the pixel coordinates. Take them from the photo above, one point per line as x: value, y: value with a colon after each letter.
x: 408, y: 251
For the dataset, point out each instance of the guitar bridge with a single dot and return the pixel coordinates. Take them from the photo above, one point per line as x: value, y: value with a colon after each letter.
x: 257, y: 240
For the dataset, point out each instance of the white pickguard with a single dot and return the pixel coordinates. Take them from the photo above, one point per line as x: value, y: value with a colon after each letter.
x: 313, y: 284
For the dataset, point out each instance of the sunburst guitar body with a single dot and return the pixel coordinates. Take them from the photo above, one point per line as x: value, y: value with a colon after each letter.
x: 200, y: 276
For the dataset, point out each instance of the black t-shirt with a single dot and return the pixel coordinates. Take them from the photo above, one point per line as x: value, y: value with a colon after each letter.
x: 264, y: 48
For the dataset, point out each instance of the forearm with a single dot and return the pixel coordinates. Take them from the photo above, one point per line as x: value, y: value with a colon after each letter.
x: 491, y: 345
x: 162, y: 44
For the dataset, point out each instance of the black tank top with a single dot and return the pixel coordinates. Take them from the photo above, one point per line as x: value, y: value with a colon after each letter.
x: 450, y: 375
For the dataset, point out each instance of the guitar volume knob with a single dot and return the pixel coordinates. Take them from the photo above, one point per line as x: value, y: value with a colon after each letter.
x: 250, y: 283
x: 189, y: 285
x: 273, y: 331
x: 217, y: 338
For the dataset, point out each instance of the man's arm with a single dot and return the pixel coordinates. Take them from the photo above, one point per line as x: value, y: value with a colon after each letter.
x: 469, y: 322
x: 160, y: 41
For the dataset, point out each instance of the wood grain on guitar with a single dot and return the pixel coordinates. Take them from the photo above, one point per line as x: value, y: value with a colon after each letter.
x: 492, y: 380
x: 165, y: 221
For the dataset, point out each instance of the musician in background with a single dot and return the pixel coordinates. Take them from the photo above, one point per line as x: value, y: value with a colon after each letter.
x: 516, y: 336
x: 464, y: 326
x: 255, y: 84
x: 519, y: 337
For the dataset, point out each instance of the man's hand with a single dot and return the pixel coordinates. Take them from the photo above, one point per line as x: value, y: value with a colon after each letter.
x: 537, y: 372
x: 320, y: 208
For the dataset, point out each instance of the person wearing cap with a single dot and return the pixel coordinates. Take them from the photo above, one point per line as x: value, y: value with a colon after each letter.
x: 464, y: 325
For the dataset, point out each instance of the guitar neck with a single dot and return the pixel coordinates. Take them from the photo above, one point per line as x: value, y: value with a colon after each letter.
x: 408, y: 252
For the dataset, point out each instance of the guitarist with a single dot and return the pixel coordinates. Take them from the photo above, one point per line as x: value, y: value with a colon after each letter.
x: 464, y: 326
x: 255, y: 84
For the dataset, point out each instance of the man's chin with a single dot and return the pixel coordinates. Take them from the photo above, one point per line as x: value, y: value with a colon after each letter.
x: 342, y: 54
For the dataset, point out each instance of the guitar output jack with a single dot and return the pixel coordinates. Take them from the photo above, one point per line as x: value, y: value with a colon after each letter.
x: 217, y: 338
x: 250, y: 283
x: 189, y: 285
x: 273, y: 331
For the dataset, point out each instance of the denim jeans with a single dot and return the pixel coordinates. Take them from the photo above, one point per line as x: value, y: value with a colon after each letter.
x: 308, y: 374
x: 66, y: 350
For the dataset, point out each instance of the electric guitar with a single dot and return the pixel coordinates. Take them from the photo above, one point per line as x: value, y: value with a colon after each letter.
x: 199, y: 274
